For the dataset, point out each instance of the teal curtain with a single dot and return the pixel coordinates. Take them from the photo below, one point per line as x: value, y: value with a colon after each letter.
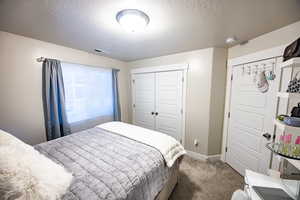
x: 116, y: 103
x: 56, y: 123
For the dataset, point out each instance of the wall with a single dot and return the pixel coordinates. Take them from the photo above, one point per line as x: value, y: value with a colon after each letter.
x: 198, y: 94
x: 21, y: 110
x: 217, y: 100
x: 276, y: 38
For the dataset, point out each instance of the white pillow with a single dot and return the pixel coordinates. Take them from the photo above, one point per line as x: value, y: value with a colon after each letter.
x: 27, y: 174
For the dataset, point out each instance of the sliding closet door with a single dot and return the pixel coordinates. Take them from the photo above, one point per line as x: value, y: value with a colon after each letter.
x: 169, y: 90
x: 144, y: 100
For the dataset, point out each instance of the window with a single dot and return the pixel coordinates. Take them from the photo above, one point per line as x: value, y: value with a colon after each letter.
x: 88, y: 95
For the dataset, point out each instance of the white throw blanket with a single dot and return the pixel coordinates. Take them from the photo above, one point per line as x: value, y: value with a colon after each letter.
x: 170, y: 148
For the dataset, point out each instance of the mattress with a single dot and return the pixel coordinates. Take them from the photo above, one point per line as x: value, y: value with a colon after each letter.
x: 108, y: 166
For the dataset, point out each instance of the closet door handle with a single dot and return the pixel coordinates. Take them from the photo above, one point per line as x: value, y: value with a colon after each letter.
x: 152, y: 113
x: 156, y: 113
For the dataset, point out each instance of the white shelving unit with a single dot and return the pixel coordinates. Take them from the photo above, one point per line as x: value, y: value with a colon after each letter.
x: 289, y: 97
x: 291, y: 63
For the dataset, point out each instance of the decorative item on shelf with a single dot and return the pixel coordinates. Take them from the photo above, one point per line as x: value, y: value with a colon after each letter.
x: 296, y: 111
x: 296, y: 147
x: 292, y: 51
x: 292, y: 121
x: 277, y: 149
x: 294, y: 85
x: 286, y: 148
x: 281, y: 117
x: 281, y: 142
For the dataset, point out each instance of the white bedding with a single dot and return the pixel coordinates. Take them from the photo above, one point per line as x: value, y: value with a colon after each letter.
x: 170, y: 148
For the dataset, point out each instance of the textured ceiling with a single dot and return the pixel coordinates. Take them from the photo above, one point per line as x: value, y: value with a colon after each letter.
x: 175, y: 25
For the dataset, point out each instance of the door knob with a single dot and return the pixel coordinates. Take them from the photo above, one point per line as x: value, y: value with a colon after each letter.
x: 152, y: 113
x: 267, y: 136
x: 156, y: 113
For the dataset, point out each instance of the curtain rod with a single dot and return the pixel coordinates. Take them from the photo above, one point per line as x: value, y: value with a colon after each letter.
x: 42, y: 59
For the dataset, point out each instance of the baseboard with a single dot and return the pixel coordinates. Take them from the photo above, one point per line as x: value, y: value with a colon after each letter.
x: 202, y: 157
x: 214, y: 157
x: 196, y: 156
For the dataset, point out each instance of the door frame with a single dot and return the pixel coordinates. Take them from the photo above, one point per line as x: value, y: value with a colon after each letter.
x: 253, y: 57
x: 164, y: 68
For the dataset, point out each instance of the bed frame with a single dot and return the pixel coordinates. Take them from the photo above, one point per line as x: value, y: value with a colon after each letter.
x: 170, y: 185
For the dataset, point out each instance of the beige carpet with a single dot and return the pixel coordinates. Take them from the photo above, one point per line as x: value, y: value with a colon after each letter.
x: 209, y: 180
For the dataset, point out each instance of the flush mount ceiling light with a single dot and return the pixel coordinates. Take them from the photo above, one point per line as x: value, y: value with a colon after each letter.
x: 99, y: 50
x: 132, y: 20
x: 231, y: 40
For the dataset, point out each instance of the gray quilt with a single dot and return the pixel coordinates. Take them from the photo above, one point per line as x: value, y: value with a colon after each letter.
x: 106, y: 165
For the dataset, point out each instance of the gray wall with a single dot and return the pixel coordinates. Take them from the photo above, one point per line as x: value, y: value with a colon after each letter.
x: 275, y: 38
x: 201, y: 98
x: 217, y: 101
x: 21, y: 110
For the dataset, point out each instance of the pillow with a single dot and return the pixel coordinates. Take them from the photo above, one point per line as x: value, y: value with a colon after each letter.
x: 27, y: 174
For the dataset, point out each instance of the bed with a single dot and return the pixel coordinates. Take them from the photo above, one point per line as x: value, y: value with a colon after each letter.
x: 107, y: 162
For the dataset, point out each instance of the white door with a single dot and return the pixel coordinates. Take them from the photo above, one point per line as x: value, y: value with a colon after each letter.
x: 158, y: 102
x: 144, y: 100
x: 169, y: 90
x: 251, y: 120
